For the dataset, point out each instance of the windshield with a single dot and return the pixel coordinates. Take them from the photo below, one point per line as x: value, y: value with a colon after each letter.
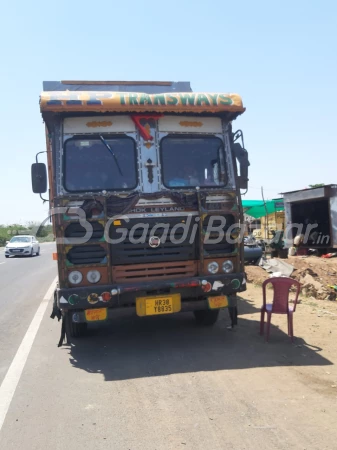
x: 90, y: 166
x: 193, y: 161
x: 21, y: 239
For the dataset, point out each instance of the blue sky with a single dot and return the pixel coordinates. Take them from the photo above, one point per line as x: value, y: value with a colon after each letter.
x: 279, y: 56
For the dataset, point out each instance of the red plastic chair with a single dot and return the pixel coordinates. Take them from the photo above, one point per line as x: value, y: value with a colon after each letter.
x: 280, y: 303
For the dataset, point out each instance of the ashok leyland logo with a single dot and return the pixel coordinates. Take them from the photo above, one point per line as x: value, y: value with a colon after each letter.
x: 154, y: 241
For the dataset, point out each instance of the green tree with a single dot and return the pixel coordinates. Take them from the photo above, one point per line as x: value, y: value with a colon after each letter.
x: 42, y: 231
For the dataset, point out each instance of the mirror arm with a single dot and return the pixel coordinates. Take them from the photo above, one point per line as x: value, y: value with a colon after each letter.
x: 43, y: 199
x: 37, y: 154
x: 237, y: 135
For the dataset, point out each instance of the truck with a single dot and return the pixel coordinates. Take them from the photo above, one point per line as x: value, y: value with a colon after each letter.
x: 269, y: 225
x: 144, y: 183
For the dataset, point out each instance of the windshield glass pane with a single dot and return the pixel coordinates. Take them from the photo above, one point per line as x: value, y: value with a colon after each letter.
x: 20, y: 239
x: 193, y: 161
x: 90, y: 166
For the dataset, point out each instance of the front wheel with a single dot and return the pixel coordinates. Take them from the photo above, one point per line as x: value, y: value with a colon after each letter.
x: 206, y: 317
x: 75, y: 329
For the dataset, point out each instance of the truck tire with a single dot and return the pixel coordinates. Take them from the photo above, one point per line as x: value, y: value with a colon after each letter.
x: 206, y: 317
x: 75, y: 329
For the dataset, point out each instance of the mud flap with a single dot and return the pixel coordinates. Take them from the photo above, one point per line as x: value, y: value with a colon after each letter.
x: 56, y: 312
x: 64, y: 332
x: 233, y: 309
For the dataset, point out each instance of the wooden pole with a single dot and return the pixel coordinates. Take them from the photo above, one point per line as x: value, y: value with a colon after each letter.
x: 266, y: 230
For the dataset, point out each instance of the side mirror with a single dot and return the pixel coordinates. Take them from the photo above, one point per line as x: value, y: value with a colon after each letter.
x: 241, y: 155
x: 7, y: 242
x: 39, y: 178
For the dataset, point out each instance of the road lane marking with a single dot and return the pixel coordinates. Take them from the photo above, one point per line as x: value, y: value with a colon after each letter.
x: 13, y: 375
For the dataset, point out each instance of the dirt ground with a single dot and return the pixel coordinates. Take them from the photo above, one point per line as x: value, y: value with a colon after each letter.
x: 303, y: 388
x: 314, y: 273
x: 315, y: 320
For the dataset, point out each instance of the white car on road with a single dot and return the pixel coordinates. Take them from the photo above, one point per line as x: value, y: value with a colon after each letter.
x: 22, y: 246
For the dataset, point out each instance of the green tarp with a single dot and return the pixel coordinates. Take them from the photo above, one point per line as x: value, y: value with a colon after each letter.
x: 257, y: 209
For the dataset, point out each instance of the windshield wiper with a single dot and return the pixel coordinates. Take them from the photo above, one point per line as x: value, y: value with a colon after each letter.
x: 110, y: 150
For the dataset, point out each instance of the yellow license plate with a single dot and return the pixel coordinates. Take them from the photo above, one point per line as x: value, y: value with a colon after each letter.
x: 159, y: 304
x: 220, y: 301
x: 95, y: 315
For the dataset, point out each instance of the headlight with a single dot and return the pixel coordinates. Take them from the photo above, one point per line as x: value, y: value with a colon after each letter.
x: 213, y: 267
x: 227, y: 266
x: 75, y: 277
x: 93, y: 276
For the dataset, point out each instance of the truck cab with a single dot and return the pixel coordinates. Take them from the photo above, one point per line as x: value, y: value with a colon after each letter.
x: 144, y: 191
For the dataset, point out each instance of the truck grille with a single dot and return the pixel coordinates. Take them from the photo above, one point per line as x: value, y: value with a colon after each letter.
x: 223, y: 246
x: 76, y: 230
x: 142, y: 272
x: 87, y: 254
x: 128, y: 252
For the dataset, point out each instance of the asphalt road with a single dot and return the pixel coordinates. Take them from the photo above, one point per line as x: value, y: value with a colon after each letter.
x: 23, y: 283
x: 154, y: 383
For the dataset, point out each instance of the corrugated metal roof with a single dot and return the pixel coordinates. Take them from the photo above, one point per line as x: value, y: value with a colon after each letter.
x: 309, y: 189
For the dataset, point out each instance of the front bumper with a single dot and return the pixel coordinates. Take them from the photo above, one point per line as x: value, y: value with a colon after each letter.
x: 194, y: 290
x: 18, y: 251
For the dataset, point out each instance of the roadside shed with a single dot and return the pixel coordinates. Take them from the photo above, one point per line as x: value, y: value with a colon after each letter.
x: 312, y: 214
